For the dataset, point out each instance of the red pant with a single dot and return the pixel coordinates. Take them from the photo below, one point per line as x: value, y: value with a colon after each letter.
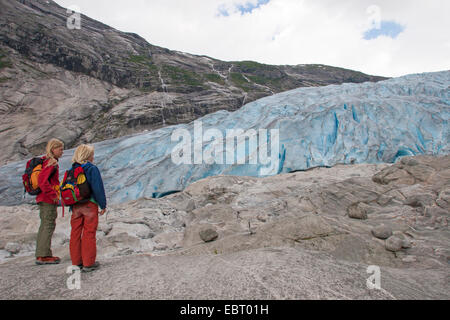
x: 84, y: 222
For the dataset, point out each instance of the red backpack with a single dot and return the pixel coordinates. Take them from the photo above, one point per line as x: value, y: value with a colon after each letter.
x: 75, y: 187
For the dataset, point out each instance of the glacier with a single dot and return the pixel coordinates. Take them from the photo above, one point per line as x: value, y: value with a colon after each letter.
x: 318, y: 126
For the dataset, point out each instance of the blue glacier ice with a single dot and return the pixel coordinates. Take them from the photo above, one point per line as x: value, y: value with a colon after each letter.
x: 318, y: 126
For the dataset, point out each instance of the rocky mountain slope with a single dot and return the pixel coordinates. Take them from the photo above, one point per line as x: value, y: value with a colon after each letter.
x: 302, y: 235
x: 97, y: 83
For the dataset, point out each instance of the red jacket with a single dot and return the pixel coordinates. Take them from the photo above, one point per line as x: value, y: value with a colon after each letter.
x: 49, y: 184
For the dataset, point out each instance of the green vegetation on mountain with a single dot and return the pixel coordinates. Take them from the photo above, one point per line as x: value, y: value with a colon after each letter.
x: 239, y: 81
x: 214, y: 78
x: 179, y: 75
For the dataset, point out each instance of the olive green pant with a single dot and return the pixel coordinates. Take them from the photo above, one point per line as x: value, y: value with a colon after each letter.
x: 48, y: 215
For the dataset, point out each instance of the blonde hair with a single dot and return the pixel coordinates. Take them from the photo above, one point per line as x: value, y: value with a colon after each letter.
x: 83, y: 153
x: 53, y: 144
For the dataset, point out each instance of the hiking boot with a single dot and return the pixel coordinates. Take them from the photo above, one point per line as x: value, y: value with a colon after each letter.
x: 91, y: 268
x: 47, y: 260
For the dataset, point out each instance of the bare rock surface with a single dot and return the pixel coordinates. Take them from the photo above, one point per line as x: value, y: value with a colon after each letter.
x: 283, y: 237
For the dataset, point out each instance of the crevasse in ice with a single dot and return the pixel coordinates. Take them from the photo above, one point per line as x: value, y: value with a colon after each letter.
x: 317, y: 126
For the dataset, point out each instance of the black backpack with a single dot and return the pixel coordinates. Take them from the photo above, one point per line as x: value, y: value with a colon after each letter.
x: 30, y: 176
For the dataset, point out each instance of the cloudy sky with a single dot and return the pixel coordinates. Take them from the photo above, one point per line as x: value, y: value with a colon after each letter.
x: 378, y: 37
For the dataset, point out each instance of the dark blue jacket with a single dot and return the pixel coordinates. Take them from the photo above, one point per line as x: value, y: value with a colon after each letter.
x: 95, y: 181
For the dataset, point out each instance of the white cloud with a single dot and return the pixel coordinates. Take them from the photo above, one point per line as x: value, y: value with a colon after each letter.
x: 290, y: 31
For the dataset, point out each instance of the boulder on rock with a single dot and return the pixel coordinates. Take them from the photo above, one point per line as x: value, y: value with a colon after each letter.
x: 208, y: 235
x: 357, y: 211
x: 13, y: 248
x: 382, y: 232
x: 419, y: 200
x: 394, y: 244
